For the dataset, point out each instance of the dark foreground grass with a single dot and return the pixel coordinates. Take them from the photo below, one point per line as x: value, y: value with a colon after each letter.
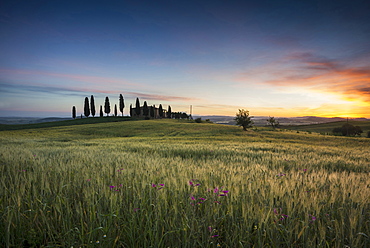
x: 165, y: 183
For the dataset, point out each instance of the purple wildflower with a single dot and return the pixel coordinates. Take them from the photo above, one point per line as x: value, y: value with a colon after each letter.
x: 313, y: 218
x: 193, y: 183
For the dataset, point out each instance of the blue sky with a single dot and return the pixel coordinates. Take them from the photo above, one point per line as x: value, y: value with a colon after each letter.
x: 278, y: 58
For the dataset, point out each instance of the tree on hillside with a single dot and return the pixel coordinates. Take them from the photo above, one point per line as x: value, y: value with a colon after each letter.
x: 160, y: 111
x: 121, y: 104
x: 243, y: 119
x: 107, y: 106
x: 92, y: 106
x: 101, y: 111
x: 131, y: 112
x: 145, y: 109
x: 152, y: 111
x: 348, y: 130
x: 74, y: 112
x: 115, y: 110
x: 86, y: 107
x: 169, y: 111
x: 137, y: 107
x: 273, y: 122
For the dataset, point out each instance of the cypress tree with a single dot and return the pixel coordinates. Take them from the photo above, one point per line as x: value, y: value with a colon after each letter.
x: 92, y: 104
x: 145, y: 109
x: 86, y: 107
x: 152, y: 111
x: 121, y: 104
x: 74, y: 112
x: 131, y: 112
x: 115, y: 109
x: 107, y: 106
x: 101, y: 111
x: 137, y: 107
x: 169, y: 112
x: 160, y: 110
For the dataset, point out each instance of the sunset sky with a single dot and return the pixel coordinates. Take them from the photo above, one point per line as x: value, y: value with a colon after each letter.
x: 277, y: 58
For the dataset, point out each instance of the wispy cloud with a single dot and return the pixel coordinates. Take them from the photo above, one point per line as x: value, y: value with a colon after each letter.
x: 97, y: 80
x: 29, y: 90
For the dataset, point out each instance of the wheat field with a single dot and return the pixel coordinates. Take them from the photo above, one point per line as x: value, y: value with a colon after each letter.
x: 167, y: 183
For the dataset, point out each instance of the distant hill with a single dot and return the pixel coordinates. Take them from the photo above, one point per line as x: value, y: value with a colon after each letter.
x: 261, y: 120
x: 329, y: 126
x: 29, y: 120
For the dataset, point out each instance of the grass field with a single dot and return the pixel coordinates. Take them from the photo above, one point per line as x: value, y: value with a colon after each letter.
x: 167, y: 183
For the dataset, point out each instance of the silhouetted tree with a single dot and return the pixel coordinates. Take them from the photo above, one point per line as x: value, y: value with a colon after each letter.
x: 273, y: 122
x: 115, y: 110
x: 137, y: 107
x: 121, y: 104
x: 169, y: 112
x: 92, y: 106
x: 348, y: 130
x: 131, y: 112
x: 74, y: 112
x: 145, y: 109
x: 160, y: 111
x: 86, y: 107
x: 107, y: 106
x: 151, y: 111
x: 101, y: 111
x: 243, y: 119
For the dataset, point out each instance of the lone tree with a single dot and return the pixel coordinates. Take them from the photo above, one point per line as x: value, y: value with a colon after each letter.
x: 106, y: 106
x: 74, y: 112
x: 86, y: 107
x: 121, y: 103
x: 145, y: 109
x: 160, y: 111
x: 348, y: 130
x: 137, y: 107
x: 115, y: 109
x: 92, y: 106
x: 169, y: 111
x: 243, y: 119
x: 273, y: 122
x: 101, y: 111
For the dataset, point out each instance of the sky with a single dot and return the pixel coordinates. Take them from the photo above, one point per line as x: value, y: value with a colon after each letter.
x: 273, y: 58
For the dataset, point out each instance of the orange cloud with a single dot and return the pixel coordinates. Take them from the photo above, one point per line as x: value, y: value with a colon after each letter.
x: 321, y: 75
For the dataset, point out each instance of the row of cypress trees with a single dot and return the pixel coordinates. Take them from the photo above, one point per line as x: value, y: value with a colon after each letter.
x: 89, y: 108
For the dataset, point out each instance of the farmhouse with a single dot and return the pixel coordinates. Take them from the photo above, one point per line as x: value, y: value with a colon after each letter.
x: 153, y: 112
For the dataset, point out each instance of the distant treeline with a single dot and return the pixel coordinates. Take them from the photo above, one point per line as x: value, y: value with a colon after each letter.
x: 138, y: 111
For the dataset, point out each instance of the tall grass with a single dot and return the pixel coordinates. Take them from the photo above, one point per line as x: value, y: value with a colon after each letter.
x: 177, y: 184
